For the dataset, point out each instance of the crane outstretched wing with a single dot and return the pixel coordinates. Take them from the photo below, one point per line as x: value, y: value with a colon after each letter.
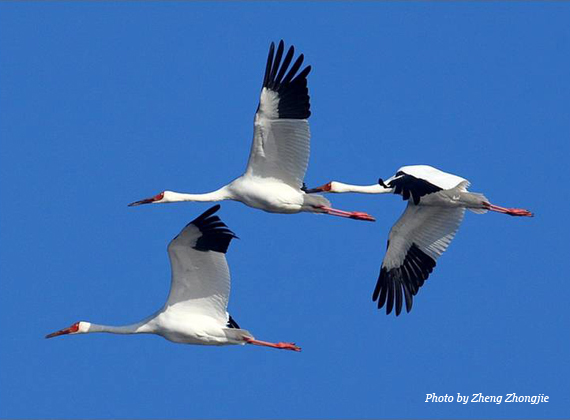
x: 420, y: 180
x: 410, y: 186
x: 281, y: 138
x: 200, y: 274
x: 417, y: 239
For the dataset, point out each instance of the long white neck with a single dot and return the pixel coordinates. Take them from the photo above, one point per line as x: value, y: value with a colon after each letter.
x: 339, y: 187
x: 218, y: 195
x: 142, y: 327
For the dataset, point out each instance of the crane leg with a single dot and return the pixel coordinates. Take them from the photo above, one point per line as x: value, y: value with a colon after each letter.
x: 358, y: 215
x: 284, y: 346
x: 509, y: 211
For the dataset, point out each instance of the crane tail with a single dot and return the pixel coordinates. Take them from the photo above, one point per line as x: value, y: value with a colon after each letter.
x: 478, y: 198
x: 238, y: 336
x: 312, y: 201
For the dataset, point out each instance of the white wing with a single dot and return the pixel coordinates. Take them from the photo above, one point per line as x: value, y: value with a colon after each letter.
x: 417, y: 239
x: 420, y: 180
x: 200, y: 274
x: 441, y: 179
x: 281, y: 138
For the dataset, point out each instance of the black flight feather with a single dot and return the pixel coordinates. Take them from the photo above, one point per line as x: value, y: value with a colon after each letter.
x: 232, y: 323
x: 407, y: 185
x: 215, y: 234
x: 285, y: 64
x: 290, y: 86
x: 409, y: 276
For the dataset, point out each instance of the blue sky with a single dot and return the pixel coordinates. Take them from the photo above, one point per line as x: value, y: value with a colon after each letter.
x: 105, y: 103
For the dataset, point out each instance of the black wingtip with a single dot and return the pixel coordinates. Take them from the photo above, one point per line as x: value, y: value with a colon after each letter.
x: 401, y: 284
x: 408, y: 185
x: 216, y: 236
x: 304, y: 73
x: 268, y: 64
x: 294, y: 100
x: 232, y: 323
x: 207, y: 213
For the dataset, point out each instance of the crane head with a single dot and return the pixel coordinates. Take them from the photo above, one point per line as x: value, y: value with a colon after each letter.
x: 156, y: 199
x: 77, y: 328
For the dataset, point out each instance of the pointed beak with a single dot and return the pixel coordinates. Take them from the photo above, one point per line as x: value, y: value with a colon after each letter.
x: 313, y: 190
x: 322, y: 188
x: 157, y: 197
x: 138, y: 203
x: 68, y: 330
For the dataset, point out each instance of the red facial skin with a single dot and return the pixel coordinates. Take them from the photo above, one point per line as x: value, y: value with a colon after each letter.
x: 73, y: 329
x: 157, y: 197
x: 326, y: 187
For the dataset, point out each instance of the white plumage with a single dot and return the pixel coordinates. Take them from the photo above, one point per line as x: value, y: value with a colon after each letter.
x: 434, y: 176
x: 279, y: 155
x: 280, y: 150
x: 436, y: 206
x: 196, y: 309
x: 430, y: 228
x: 200, y: 282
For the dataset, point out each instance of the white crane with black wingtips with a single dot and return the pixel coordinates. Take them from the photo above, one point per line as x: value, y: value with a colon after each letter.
x: 279, y: 156
x: 436, y: 205
x: 196, y: 309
